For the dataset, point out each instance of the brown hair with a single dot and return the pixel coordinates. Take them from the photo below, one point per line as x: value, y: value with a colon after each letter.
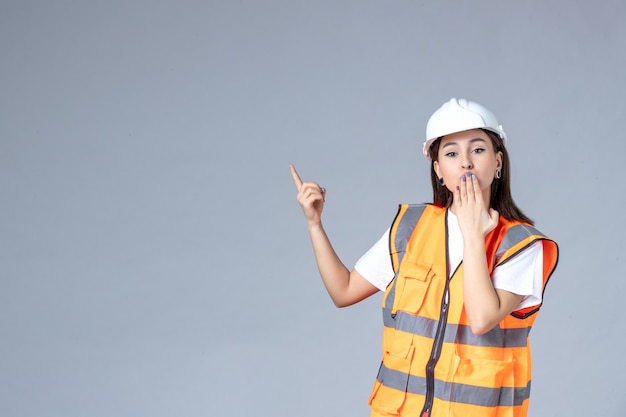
x: 501, y: 199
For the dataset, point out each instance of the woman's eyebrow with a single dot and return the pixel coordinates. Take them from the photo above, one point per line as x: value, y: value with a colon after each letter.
x: 471, y: 141
x: 477, y: 140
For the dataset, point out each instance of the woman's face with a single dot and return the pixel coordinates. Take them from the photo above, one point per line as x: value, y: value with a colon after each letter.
x: 468, y: 151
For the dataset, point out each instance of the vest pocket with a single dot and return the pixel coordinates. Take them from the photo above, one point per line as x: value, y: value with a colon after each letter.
x: 386, y: 401
x: 413, y: 281
x: 398, y: 344
x: 483, y: 383
x: 390, y: 389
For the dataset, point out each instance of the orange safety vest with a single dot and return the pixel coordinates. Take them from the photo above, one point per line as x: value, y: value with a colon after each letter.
x: 433, y: 365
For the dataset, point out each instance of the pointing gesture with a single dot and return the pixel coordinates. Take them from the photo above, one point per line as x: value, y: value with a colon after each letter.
x: 311, y: 197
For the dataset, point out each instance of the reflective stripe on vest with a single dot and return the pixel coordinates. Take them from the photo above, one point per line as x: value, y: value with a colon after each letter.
x: 456, y: 333
x: 513, y: 236
x: 400, y: 233
x: 449, y: 391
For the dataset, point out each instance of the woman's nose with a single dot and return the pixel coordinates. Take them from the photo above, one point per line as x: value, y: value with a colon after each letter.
x: 466, y: 163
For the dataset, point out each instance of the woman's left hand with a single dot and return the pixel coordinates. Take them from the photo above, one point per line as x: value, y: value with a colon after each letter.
x: 474, y: 216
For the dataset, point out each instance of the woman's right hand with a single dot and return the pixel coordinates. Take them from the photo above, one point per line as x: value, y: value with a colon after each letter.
x: 344, y: 287
x: 311, y: 197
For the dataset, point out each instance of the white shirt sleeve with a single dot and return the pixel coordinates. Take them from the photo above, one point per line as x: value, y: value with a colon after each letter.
x: 523, y: 275
x: 375, y: 266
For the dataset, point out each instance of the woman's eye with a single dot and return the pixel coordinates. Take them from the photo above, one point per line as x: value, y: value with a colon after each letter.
x: 451, y: 154
x: 479, y: 150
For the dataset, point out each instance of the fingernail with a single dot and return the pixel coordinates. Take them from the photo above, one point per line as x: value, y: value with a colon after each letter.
x: 463, y: 178
x: 473, y: 176
x: 458, y: 188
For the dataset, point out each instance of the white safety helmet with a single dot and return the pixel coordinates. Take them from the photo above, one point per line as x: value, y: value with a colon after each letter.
x: 458, y: 115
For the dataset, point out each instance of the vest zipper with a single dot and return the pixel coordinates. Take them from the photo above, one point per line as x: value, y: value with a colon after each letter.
x: 435, y: 353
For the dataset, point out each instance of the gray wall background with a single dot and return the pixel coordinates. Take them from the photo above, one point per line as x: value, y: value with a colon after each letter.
x: 153, y: 258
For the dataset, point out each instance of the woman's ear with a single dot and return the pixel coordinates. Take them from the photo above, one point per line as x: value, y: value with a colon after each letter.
x: 436, y: 168
x: 499, y: 160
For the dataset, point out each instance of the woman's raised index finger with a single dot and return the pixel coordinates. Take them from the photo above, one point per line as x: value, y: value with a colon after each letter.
x: 295, y: 176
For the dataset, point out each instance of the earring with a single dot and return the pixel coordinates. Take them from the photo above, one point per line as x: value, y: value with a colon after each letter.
x: 441, y: 181
x: 498, y: 174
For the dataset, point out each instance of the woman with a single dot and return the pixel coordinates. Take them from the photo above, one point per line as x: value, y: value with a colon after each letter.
x: 463, y: 278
